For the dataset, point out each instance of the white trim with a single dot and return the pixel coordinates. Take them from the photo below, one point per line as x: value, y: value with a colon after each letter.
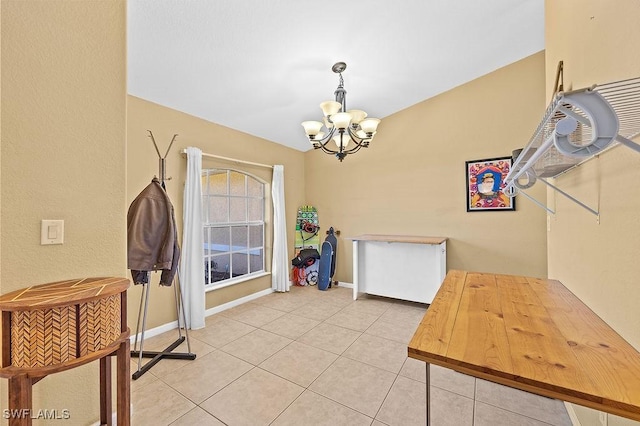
x: 234, y: 303
x: 154, y: 331
x: 234, y: 281
x: 345, y: 285
x: 572, y: 414
x: 211, y: 311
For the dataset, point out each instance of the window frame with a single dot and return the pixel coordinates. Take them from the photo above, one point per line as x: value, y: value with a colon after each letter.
x: 229, y: 225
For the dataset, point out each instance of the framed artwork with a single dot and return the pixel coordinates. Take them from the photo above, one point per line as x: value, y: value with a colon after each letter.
x: 485, y: 184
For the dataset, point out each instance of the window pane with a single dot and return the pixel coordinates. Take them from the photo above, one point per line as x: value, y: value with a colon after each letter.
x: 218, y: 210
x: 217, y: 183
x: 240, y: 264
x: 219, y: 269
x: 219, y: 240
x: 238, y: 210
x: 237, y: 183
x: 255, y: 209
x: 256, y: 188
x: 239, y: 237
x: 256, y: 262
x: 207, y: 242
x: 255, y: 236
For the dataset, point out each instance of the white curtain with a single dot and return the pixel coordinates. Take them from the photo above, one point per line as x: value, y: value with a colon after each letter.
x: 192, y: 259
x: 280, y: 263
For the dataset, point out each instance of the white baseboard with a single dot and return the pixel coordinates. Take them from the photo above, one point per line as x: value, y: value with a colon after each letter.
x: 174, y: 324
x: 346, y: 285
x: 572, y: 414
x: 155, y: 331
x: 233, y: 303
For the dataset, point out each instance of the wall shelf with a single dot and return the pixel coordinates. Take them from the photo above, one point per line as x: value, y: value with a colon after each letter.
x: 577, y: 125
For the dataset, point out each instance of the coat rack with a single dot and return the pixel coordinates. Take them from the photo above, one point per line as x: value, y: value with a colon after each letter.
x: 144, y: 303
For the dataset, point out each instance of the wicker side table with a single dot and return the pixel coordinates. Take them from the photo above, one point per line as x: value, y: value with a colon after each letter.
x: 54, y: 327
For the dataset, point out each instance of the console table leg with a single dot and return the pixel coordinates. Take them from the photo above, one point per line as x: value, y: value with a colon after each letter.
x: 124, y: 383
x: 20, y: 400
x: 105, y: 391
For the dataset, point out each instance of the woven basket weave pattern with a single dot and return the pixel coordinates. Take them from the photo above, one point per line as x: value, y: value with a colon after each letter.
x: 48, y: 337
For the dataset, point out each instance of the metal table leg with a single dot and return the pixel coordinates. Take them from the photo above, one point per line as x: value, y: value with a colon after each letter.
x: 428, y: 404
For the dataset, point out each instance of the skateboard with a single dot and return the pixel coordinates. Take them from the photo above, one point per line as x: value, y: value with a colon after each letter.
x: 331, y: 237
x: 326, y: 255
x: 307, y: 227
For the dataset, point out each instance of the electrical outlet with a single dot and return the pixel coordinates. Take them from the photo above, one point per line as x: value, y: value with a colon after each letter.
x: 603, y: 418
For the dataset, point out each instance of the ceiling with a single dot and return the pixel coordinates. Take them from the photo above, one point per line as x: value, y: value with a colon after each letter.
x: 263, y: 67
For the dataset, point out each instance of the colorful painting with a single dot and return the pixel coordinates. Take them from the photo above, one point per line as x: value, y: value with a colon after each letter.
x: 485, y: 184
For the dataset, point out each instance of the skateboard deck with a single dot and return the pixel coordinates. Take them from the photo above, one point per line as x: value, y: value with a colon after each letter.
x: 326, y: 256
x: 307, y: 227
x: 331, y: 238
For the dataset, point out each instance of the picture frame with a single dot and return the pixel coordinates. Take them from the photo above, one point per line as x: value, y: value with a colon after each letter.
x: 485, y: 185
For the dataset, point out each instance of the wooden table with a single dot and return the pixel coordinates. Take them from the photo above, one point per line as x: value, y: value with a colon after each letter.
x: 54, y: 327
x: 407, y: 267
x: 530, y: 334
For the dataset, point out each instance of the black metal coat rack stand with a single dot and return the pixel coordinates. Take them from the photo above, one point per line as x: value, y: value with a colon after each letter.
x: 144, y: 304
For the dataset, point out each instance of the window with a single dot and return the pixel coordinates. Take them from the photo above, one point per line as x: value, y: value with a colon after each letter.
x: 233, y: 215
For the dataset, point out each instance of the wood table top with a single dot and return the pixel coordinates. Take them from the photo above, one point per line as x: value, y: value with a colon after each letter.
x: 530, y: 334
x: 62, y: 293
x: 414, y: 239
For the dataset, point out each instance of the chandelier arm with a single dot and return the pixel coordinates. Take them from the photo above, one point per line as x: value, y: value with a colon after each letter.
x: 359, y: 142
x: 322, y: 143
x: 324, y: 149
x: 354, y: 149
x: 326, y: 138
x: 354, y: 136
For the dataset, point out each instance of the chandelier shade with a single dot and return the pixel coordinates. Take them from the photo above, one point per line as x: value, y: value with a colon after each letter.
x: 312, y: 128
x: 341, y: 126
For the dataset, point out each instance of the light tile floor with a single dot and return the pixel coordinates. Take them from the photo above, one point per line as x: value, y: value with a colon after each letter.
x: 312, y: 357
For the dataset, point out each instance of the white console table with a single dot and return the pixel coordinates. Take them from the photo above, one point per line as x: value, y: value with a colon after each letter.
x: 403, y: 267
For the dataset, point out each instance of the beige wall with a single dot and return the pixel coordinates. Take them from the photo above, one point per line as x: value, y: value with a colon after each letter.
x: 411, y: 180
x: 598, y: 43
x: 213, y: 139
x: 63, y: 157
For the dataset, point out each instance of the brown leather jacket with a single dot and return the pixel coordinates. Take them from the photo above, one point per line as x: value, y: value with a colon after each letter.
x: 152, y: 242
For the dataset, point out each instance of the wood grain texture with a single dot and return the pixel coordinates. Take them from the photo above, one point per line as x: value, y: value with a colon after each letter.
x: 414, y: 239
x: 531, y: 334
x: 54, y: 324
x: 62, y: 293
x: 434, y: 334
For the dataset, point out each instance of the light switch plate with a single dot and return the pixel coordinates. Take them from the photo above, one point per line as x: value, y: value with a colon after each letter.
x: 52, y: 232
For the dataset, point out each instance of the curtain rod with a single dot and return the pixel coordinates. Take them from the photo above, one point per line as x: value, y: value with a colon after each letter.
x: 235, y: 160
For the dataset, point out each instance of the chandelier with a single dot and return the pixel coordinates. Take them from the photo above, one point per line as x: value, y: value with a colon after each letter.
x: 348, y: 130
